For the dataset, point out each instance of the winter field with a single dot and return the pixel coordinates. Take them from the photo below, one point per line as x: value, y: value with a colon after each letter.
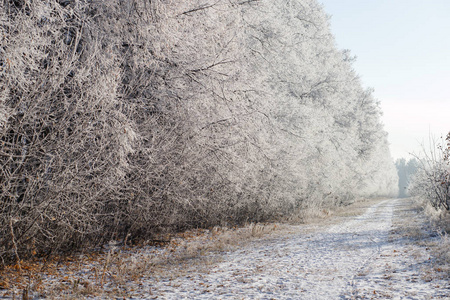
x: 382, y: 250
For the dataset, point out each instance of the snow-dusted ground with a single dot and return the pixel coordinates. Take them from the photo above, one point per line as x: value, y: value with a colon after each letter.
x: 385, y: 253
x: 355, y: 259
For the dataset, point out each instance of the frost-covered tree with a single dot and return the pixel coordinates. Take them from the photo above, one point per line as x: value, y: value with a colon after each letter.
x: 128, y: 118
x: 405, y: 171
x: 329, y: 127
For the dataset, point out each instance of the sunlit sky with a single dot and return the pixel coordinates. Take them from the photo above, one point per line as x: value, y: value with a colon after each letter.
x: 403, y: 52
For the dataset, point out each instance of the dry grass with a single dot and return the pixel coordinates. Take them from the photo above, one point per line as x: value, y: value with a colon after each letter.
x: 107, y: 273
x: 357, y: 208
x: 428, y: 228
x: 440, y: 220
x: 331, y: 215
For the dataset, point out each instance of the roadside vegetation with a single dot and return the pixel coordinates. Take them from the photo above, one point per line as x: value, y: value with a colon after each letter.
x: 430, y: 187
x: 432, y: 181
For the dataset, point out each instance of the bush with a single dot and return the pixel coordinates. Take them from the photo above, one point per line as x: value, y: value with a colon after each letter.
x: 432, y: 181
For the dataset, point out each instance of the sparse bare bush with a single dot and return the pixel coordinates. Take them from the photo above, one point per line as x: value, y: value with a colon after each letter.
x: 432, y: 181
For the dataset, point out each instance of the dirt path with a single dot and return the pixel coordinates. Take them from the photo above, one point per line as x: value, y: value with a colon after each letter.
x: 387, y: 252
x: 355, y: 259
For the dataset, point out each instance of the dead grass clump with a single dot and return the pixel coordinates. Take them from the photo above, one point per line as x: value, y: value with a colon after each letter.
x: 327, y: 214
x: 429, y: 228
x: 310, y: 215
x: 442, y: 249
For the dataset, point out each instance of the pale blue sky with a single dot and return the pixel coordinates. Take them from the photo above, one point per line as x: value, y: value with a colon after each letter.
x: 403, y: 52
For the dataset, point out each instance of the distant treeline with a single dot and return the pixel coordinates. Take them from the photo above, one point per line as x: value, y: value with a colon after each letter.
x: 405, y: 170
x: 128, y: 118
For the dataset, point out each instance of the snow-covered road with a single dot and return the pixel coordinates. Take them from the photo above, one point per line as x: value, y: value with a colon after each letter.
x: 354, y: 259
